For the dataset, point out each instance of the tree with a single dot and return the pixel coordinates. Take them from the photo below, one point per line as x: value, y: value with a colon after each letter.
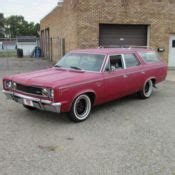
x: 17, y: 25
x: 2, y: 30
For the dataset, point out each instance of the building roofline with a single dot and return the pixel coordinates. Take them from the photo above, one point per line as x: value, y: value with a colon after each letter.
x: 59, y: 4
x: 48, y: 13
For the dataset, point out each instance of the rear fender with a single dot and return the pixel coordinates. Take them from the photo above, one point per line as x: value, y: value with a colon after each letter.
x: 150, y: 78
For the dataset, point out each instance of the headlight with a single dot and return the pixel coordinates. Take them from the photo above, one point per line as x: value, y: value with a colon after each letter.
x: 48, y: 92
x: 8, y: 84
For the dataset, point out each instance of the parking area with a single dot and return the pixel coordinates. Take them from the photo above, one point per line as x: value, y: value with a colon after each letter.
x: 125, y: 137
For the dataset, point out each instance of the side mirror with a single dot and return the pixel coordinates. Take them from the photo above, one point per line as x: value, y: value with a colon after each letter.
x: 107, y: 69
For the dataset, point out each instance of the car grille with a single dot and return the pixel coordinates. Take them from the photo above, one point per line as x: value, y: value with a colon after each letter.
x: 29, y: 89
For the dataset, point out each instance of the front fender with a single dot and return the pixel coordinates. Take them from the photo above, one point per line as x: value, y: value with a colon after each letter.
x: 80, y: 93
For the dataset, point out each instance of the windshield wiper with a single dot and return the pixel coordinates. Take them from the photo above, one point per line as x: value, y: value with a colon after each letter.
x: 74, y: 67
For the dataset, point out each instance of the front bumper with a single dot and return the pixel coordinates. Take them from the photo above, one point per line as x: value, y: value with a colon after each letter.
x: 41, y: 104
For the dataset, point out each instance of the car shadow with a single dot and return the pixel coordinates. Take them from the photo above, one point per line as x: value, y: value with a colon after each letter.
x: 46, y: 116
x: 63, y: 118
x: 116, y: 103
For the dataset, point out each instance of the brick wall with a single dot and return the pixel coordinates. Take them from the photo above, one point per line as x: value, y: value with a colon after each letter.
x: 62, y: 23
x: 78, y: 20
x: 159, y: 14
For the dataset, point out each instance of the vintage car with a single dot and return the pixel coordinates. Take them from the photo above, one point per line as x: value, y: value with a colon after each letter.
x: 85, y: 78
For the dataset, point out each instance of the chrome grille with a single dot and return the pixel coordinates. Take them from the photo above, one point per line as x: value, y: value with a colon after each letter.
x: 29, y: 89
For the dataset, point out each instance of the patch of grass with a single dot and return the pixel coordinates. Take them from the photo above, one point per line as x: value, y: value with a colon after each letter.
x: 7, y: 53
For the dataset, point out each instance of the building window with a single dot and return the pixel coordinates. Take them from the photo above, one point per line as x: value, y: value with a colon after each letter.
x: 173, y: 43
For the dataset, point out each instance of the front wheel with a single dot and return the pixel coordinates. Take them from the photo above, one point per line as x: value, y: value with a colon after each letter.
x: 81, y: 108
x: 147, y: 90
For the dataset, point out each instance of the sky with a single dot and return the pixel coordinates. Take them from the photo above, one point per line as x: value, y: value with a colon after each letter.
x: 32, y: 10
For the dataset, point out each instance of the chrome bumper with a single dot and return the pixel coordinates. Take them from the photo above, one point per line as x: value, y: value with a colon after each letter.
x: 41, y: 104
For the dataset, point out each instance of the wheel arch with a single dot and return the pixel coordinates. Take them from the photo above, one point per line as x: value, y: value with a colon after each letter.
x: 90, y: 93
x: 153, y: 79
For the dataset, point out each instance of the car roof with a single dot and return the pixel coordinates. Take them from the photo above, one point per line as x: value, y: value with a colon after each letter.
x: 111, y: 50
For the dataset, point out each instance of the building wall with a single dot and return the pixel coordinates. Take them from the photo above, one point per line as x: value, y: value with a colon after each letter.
x: 78, y: 20
x: 158, y: 14
x: 62, y: 23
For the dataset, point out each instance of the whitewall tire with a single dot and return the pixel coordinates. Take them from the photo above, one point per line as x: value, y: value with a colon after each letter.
x: 147, y: 90
x: 81, y: 108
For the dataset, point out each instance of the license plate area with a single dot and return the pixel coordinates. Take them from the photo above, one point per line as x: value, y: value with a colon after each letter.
x: 28, y: 102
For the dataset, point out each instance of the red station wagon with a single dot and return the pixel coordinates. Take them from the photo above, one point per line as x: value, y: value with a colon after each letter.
x: 85, y: 78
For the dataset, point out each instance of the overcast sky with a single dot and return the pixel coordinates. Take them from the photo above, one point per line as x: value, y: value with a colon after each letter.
x: 32, y: 10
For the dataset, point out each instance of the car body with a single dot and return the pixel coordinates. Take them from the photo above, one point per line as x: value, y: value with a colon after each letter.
x: 85, y: 78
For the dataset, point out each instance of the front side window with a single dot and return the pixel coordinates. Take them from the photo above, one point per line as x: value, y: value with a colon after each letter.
x: 115, y: 63
x: 131, y: 60
x: 82, y: 61
x: 150, y: 56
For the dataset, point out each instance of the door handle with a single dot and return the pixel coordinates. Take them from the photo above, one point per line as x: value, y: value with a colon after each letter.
x: 142, y: 72
x: 125, y: 76
x: 98, y: 84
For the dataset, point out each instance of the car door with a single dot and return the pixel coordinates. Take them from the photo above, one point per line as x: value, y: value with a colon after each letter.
x: 114, y: 77
x: 134, y: 72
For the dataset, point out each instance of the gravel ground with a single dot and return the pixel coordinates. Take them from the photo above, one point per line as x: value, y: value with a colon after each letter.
x: 125, y: 137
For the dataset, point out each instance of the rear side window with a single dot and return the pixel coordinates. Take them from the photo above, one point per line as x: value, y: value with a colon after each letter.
x: 150, y: 57
x: 131, y: 60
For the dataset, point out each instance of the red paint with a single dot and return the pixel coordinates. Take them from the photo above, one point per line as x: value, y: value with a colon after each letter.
x: 68, y: 84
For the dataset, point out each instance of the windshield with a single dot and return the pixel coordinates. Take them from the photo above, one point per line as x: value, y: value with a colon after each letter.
x: 82, y: 61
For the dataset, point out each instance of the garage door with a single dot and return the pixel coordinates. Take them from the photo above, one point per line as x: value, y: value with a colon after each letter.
x: 121, y: 35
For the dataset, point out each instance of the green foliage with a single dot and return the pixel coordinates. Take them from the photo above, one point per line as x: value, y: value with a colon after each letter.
x: 17, y: 25
x: 2, y: 21
x: 4, y: 54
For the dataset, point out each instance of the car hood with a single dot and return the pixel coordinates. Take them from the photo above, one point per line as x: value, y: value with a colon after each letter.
x: 53, y: 77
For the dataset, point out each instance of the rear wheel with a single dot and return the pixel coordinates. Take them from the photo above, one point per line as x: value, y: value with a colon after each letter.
x: 147, y: 90
x: 81, y: 108
x: 29, y: 107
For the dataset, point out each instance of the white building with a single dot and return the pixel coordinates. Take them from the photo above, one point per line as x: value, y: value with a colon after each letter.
x: 9, y: 45
x: 27, y: 44
x: 1, y: 45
